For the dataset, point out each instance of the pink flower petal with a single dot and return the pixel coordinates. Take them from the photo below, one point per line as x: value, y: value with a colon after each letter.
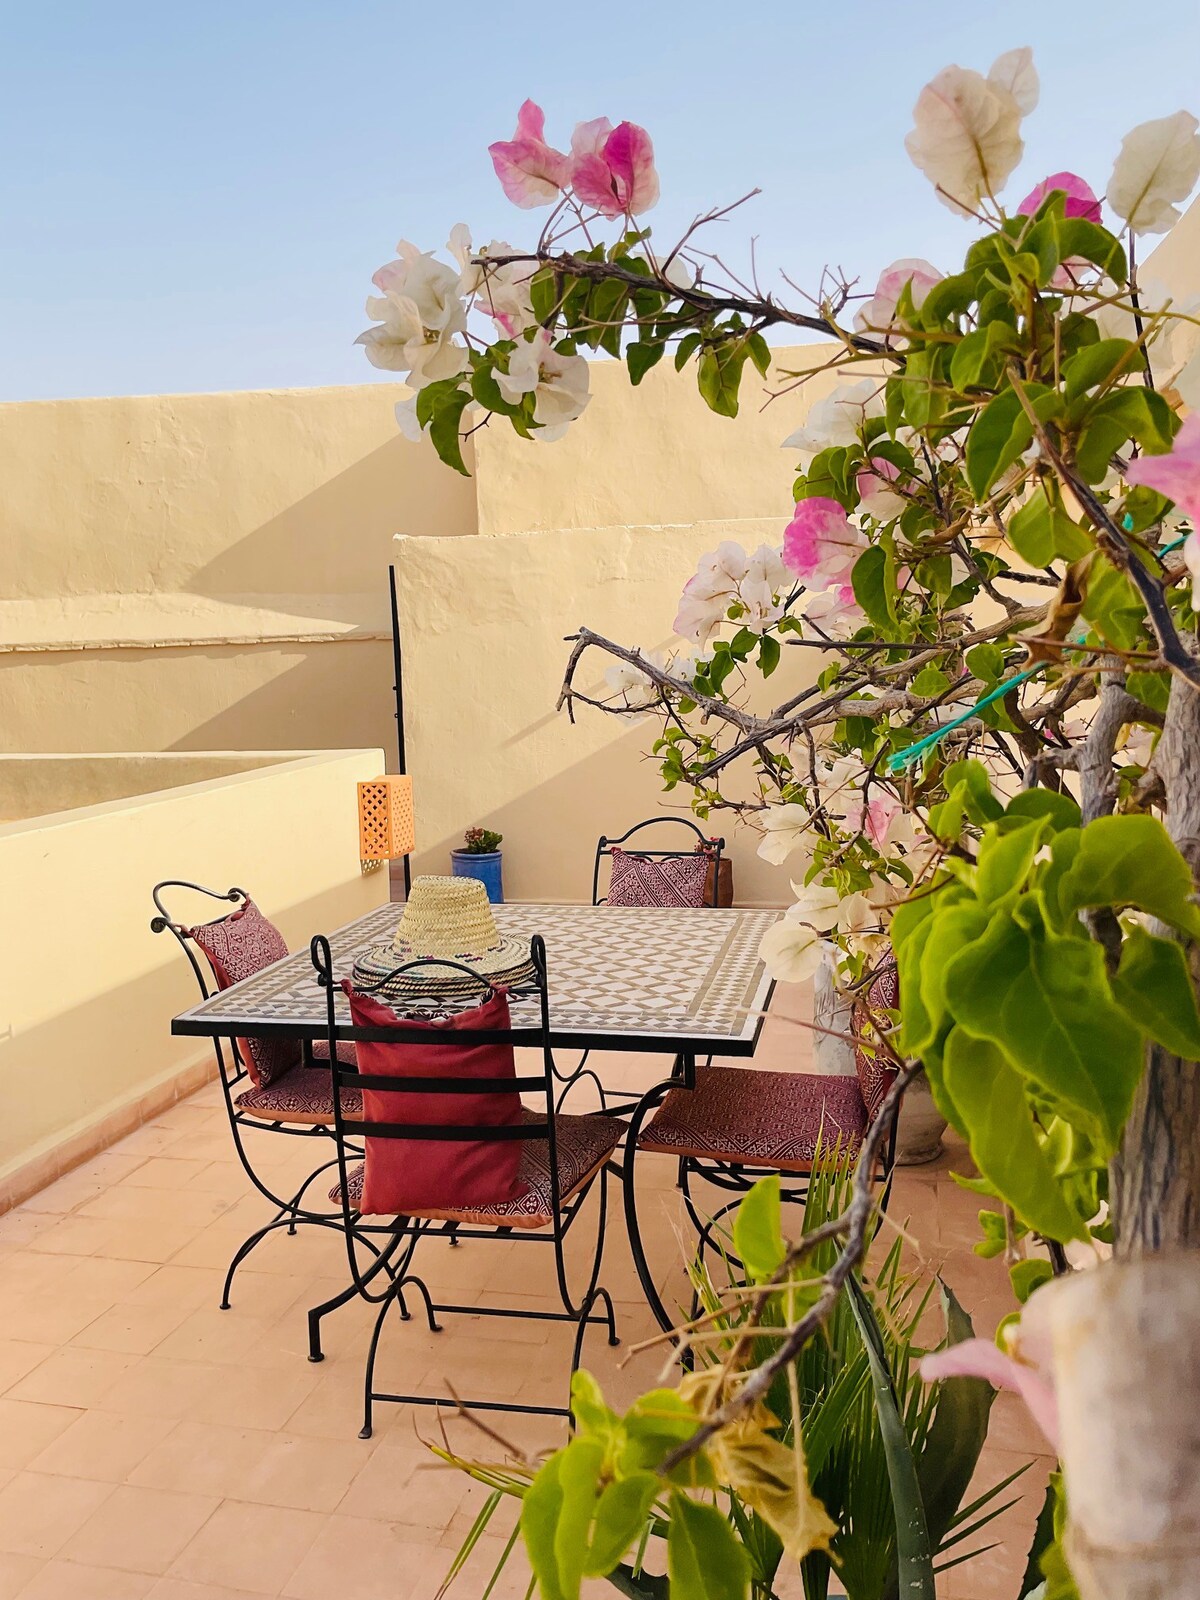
x: 820, y: 541
x: 1176, y: 474
x: 1081, y: 202
x: 980, y: 1358
x: 618, y: 176
x: 531, y: 172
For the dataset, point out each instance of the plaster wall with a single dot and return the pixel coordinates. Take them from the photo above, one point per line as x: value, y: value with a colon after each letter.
x: 89, y: 992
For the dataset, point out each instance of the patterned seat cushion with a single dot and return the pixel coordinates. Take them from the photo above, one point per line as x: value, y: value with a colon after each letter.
x: 875, y: 1074
x: 238, y: 946
x: 305, y: 1094
x: 758, y: 1119
x: 583, y: 1145
x: 649, y: 881
x: 347, y: 1051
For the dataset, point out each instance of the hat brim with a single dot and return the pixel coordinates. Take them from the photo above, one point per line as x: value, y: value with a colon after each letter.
x: 509, y: 962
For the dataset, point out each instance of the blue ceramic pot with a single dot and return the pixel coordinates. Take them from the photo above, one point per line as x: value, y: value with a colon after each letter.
x: 487, y: 866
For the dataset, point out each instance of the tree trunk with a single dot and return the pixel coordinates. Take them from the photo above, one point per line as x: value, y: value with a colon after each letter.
x: 1155, y: 1182
x: 1127, y: 1376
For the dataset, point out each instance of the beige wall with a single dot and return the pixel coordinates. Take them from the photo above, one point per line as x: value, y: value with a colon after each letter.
x: 40, y: 785
x: 483, y: 623
x: 87, y: 992
x: 183, y: 572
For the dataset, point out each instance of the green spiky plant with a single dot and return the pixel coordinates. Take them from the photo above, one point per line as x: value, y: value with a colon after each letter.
x: 889, y: 1457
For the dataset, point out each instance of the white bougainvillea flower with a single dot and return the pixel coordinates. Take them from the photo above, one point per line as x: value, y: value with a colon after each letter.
x: 857, y: 917
x: 710, y: 591
x: 786, y: 829
x: 878, y: 313
x: 430, y: 284
x: 418, y: 313
x: 838, y: 418
x: 501, y: 291
x: 835, y: 611
x: 636, y: 687
x: 406, y: 419
x: 531, y: 172
x: 877, y: 495
x: 1158, y: 164
x: 966, y: 133
x: 881, y: 818
x: 791, y: 951
x: 559, y: 383
x: 765, y: 580
x: 687, y: 663
x: 820, y: 543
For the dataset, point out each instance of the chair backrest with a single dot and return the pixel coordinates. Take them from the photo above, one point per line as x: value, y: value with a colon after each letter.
x: 698, y: 843
x: 419, y: 1156
x: 234, y: 946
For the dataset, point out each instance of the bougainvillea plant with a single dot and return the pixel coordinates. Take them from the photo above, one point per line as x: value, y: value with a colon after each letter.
x: 992, y: 774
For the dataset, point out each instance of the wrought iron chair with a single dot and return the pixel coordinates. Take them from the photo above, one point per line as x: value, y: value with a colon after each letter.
x: 731, y: 1126
x: 297, y: 1103
x: 711, y: 847
x: 561, y: 1159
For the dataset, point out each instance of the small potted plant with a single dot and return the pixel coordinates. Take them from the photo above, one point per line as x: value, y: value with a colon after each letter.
x: 480, y: 858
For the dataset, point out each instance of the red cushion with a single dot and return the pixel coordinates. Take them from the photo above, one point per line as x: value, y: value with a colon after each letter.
x: 413, y: 1175
x: 238, y: 946
x: 648, y: 881
x: 876, y: 1074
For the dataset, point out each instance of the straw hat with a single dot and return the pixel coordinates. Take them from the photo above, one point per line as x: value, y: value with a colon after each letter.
x: 449, y: 918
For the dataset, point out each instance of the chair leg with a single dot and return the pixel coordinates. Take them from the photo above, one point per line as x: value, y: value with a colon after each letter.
x: 244, y: 1249
x: 383, y: 1263
x: 389, y: 1300
x: 649, y: 1101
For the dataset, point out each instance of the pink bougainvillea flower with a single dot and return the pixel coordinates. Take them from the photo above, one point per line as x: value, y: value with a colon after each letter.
x: 531, y: 172
x: 881, y: 818
x: 820, y: 543
x: 614, y: 170
x: 877, y: 495
x: 879, y: 312
x: 1176, y: 474
x: 1025, y: 1368
x: 1081, y: 202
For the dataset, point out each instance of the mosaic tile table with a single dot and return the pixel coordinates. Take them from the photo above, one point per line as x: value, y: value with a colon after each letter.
x: 623, y: 978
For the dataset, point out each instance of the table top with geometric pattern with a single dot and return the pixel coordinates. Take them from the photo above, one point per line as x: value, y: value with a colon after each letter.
x: 625, y: 977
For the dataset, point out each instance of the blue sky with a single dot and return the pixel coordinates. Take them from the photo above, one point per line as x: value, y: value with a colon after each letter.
x: 193, y: 197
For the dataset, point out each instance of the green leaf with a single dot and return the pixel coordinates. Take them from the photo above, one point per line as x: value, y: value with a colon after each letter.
x: 1154, y: 988
x: 592, y: 1414
x: 541, y: 1509
x: 874, y: 583
x: 758, y: 1230
x: 621, y: 1514
x: 760, y: 352
x: 720, y: 376
x: 641, y: 356
x: 1026, y: 1276
x: 1004, y: 1144
x: 1151, y: 688
x: 912, y: 923
x: 685, y: 348
x: 1045, y: 1001
x: 1113, y: 606
x: 1078, y: 237
x: 978, y: 361
x: 578, y: 1480
x: 1106, y: 426
x: 1005, y: 860
x: 951, y: 1450
x: 443, y: 430
x: 930, y: 682
x: 970, y: 778
x: 768, y: 654
x: 1035, y: 805
x: 1099, y: 363
x: 704, y: 1559
x: 914, y: 1559
x: 1003, y: 432
x: 1041, y: 531
x: 1131, y: 861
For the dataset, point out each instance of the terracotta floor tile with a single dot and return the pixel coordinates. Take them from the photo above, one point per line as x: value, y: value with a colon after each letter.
x: 246, y: 1397
x: 26, y: 1429
x: 19, y: 1358
x: 38, y: 1514
x: 175, y: 1286
x: 67, y: 1580
x: 369, y: 1560
x: 72, y: 1377
x: 155, y: 1388
x: 133, y: 1204
x: 163, y: 1172
x: 51, y: 1317
x: 98, y: 1278
x: 102, y: 1446
x: 73, y: 1236
x: 62, y: 1197
x: 202, y: 1458
x: 131, y: 1329
x: 140, y: 1529
x: 254, y: 1547
x: 16, y: 1572
x: 177, y: 1589
x: 309, y: 1474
